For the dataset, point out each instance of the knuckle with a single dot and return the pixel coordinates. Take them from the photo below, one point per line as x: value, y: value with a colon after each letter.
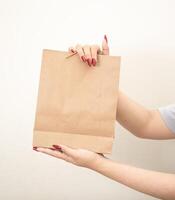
x: 78, y: 46
x: 95, y: 46
x: 86, y: 46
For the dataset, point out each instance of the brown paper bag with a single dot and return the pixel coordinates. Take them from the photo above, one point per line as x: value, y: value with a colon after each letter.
x: 76, y: 103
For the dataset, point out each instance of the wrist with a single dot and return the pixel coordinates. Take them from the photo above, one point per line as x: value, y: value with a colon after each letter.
x: 98, y: 163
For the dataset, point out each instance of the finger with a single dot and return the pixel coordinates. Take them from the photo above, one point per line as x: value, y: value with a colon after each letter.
x: 105, y: 47
x: 68, y: 150
x: 72, y: 50
x: 94, y: 50
x: 80, y: 51
x: 87, y: 53
x: 56, y: 154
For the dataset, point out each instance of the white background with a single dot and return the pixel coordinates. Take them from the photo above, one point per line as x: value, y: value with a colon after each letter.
x: 142, y: 32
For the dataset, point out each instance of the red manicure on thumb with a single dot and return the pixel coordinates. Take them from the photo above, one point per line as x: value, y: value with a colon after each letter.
x: 105, y: 37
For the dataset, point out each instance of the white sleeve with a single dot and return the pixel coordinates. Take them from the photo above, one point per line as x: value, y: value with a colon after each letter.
x: 168, y: 115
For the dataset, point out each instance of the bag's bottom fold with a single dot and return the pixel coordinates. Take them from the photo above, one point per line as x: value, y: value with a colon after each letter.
x: 97, y: 144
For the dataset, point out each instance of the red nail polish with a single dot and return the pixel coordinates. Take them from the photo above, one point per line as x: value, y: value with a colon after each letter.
x: 89, y: 62
x: 83, y: 58
x: 105, y: 37
x: 56, y: 146
x: 94, y: 62
x: 35, y: 148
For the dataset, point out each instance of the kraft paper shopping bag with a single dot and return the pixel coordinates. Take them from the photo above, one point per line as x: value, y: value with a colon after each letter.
x: 76, y: 103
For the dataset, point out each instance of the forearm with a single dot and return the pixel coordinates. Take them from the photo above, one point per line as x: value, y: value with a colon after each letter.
x: 157, y: 184
x: 131, y: 115
x: 143, y: 122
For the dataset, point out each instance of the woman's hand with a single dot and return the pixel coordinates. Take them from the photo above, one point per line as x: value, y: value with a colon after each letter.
x: 88, y: 53
x: 79, y: 157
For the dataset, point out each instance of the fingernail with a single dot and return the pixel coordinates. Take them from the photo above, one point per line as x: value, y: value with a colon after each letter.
x: 35, y: 148
x: 83, y: 58
x: 72, y: 50
x: 105, y: 37
x: 89, y: 62
x: 94, y: 62
x: 56, y: 146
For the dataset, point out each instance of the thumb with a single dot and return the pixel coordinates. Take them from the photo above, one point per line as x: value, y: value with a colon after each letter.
x: 105, y: 47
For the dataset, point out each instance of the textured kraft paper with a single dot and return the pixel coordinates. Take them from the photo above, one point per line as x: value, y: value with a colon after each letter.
x: 76, y: 103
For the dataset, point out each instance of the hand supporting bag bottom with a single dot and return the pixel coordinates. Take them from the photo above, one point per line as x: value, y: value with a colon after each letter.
x: 76, y: 103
